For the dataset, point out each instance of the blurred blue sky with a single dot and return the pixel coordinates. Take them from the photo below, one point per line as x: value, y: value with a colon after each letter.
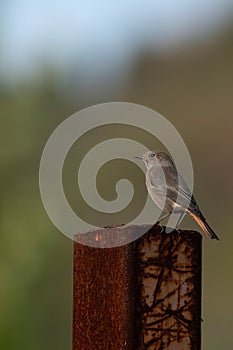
x: 99, y: 37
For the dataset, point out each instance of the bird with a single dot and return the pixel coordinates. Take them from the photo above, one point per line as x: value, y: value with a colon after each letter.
x: 169, y: 190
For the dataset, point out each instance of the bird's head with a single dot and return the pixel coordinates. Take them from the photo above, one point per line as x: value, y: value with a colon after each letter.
x: 153, y: 158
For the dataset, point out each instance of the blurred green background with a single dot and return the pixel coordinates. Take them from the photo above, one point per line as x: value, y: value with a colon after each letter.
x: 57, y: 58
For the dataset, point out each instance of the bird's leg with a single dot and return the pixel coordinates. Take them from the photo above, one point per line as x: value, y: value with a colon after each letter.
x: 163, y: 217
x: 179, y: 221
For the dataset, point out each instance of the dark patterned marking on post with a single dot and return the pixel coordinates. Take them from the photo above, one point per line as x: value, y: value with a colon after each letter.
x: 171, y: 290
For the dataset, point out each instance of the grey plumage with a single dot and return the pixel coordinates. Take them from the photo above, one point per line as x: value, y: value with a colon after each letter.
x: 169, y: 191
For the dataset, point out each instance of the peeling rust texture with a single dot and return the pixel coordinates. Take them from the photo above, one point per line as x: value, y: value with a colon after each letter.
x: 171, y: 290
x: 143, y: 295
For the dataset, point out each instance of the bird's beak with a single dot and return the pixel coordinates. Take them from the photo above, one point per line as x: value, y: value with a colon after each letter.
x: 138, y: 157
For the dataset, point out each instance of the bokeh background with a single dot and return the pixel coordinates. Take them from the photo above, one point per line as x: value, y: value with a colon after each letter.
x: 58, y: 57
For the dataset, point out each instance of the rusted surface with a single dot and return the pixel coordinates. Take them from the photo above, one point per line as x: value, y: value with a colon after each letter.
x: 144, y: 295
x: 112, y: 236
x: 171, y: 290
x: 105, y: 315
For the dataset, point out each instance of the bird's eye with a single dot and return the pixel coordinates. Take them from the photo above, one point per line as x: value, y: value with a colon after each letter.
x: 152, y: 155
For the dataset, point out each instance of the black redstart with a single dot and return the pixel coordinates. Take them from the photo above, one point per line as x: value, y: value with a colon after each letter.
x: 169, y: 191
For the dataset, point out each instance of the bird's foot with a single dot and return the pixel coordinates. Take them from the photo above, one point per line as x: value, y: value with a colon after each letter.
x: 160, y: 226
x: 161, y: 229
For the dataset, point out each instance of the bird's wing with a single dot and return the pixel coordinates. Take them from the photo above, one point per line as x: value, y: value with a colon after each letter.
x: 168, y: 184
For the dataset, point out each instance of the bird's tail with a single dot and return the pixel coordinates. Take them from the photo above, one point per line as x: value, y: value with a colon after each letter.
x: 204, y: 226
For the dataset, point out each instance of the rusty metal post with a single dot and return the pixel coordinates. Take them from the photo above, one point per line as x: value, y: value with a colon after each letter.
x: 171, y: 290
x: 144, y: 295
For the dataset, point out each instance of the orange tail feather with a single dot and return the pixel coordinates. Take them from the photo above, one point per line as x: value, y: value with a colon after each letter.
x: 204, y: 226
